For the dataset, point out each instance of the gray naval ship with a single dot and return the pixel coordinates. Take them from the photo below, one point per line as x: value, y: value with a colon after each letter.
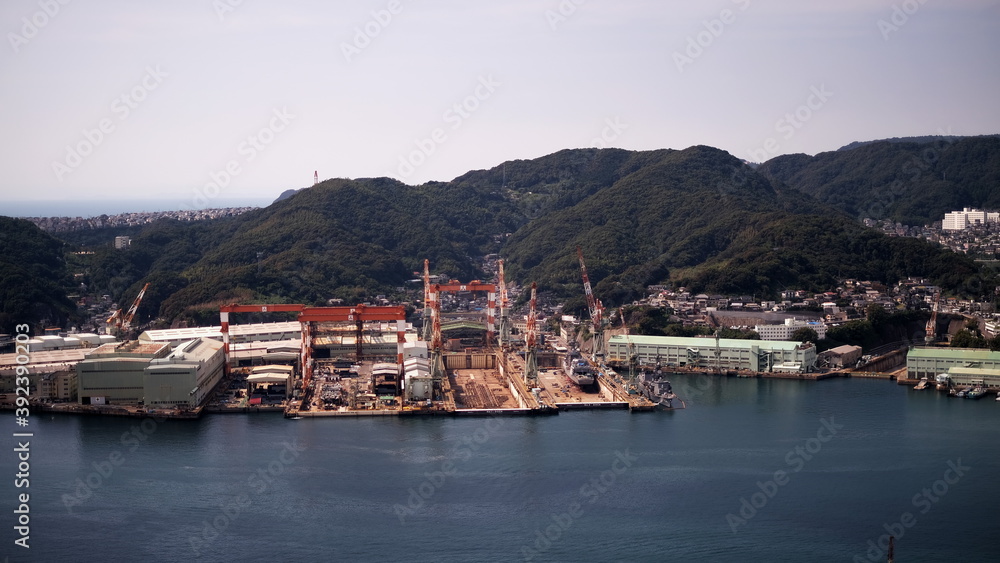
x: 655, y: 386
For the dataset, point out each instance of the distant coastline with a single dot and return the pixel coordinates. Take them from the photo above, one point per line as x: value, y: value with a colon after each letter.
x: 95, y: 208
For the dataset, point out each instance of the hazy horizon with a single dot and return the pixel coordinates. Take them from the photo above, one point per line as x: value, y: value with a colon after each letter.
x: 199, y: 100
x: 88, y: 208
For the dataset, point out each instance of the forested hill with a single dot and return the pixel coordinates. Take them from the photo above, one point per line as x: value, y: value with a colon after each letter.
x: 349, y: 239
x: 34, y: 280
x: 702, y: 218
x: 912, y: 182
x: 698, y: 217
x: 354, y: 239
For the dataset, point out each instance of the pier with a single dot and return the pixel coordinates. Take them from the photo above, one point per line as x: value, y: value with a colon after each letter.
x: 498, y: 390
x: 494, y: 387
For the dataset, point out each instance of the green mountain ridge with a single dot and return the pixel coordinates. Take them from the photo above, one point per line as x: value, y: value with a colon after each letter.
x: 909, y: 182
x: 34, y: 279
x: 703, y: 219
x: 697, y: 217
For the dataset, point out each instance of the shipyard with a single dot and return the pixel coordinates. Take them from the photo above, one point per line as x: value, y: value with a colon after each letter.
x: 469, y: 355
x: 490, y: 282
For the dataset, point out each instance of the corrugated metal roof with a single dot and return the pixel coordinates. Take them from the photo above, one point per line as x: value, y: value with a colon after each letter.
x: 973, y: 371
x: 695, y: 342
x: 266, y: 345
x: 272, y: 369
x: 131, y: 349
x: 968, y: 354
x: 216, y: 331
x: 845, y: 349
x: 194, y: 350
x: 52, y: 356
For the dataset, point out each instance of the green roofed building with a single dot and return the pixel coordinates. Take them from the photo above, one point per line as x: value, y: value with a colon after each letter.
x: 724, y: 353
x: 965, y: 366
x: 185, y: 377
x: 137, y: 372
x: 113, y: 374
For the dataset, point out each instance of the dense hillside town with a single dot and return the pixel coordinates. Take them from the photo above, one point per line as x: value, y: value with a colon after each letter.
x: 67, y: 224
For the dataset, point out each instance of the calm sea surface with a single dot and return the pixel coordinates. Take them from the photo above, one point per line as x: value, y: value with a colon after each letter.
x: 817, y: 469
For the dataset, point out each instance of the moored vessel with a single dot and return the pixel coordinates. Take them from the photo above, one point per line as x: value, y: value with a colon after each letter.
x: 655, y: 386
x: 976, y: 392
x: 578, y: 369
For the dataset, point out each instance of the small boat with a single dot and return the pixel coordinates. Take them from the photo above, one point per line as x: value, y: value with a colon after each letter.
x: 998, y: 397
x: 976, y: 392
x: 943, y: 381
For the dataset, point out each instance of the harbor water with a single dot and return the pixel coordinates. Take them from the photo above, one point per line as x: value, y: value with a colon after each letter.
x: 751, y: 470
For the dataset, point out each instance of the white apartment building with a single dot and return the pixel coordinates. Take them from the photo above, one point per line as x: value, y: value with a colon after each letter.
x: 784, y: 331
x: 960, y: 220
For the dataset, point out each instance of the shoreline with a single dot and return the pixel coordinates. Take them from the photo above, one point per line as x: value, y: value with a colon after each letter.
x: 293, y: 412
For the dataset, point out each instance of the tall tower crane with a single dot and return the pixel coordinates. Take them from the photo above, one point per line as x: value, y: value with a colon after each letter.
x: 437, y: 354
x: 504, y: 303
x: 428, y: 321
x: 595, y: 307
x: 122, y: 323
x: 530, y: 343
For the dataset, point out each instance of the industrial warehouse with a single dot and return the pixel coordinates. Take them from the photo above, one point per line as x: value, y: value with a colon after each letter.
x: 473, y: 358
x: 718, y: 353
x: 253, y: 332
x: 145, y: 373
x: 955, y: 367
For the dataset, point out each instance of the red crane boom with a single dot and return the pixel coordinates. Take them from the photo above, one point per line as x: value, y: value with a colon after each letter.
x: 123, y: 321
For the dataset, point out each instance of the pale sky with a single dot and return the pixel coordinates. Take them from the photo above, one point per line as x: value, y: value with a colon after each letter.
x: 430, y: 89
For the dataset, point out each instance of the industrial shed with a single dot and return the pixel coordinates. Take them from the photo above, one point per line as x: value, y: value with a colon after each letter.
x: 724, y: 353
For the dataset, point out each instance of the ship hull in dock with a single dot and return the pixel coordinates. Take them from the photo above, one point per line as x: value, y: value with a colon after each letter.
x: 583, y: 380
x: 579, y: 371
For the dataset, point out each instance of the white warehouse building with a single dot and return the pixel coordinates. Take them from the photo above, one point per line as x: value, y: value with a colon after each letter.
x: 186, y: 376
x: 253, y: 332
x: 785, y: 330
x: 725, y: 353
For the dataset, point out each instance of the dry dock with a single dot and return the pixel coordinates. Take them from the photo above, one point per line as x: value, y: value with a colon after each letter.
x: 481, y: 389
x: 559, y: 390
x: 491, y: 391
